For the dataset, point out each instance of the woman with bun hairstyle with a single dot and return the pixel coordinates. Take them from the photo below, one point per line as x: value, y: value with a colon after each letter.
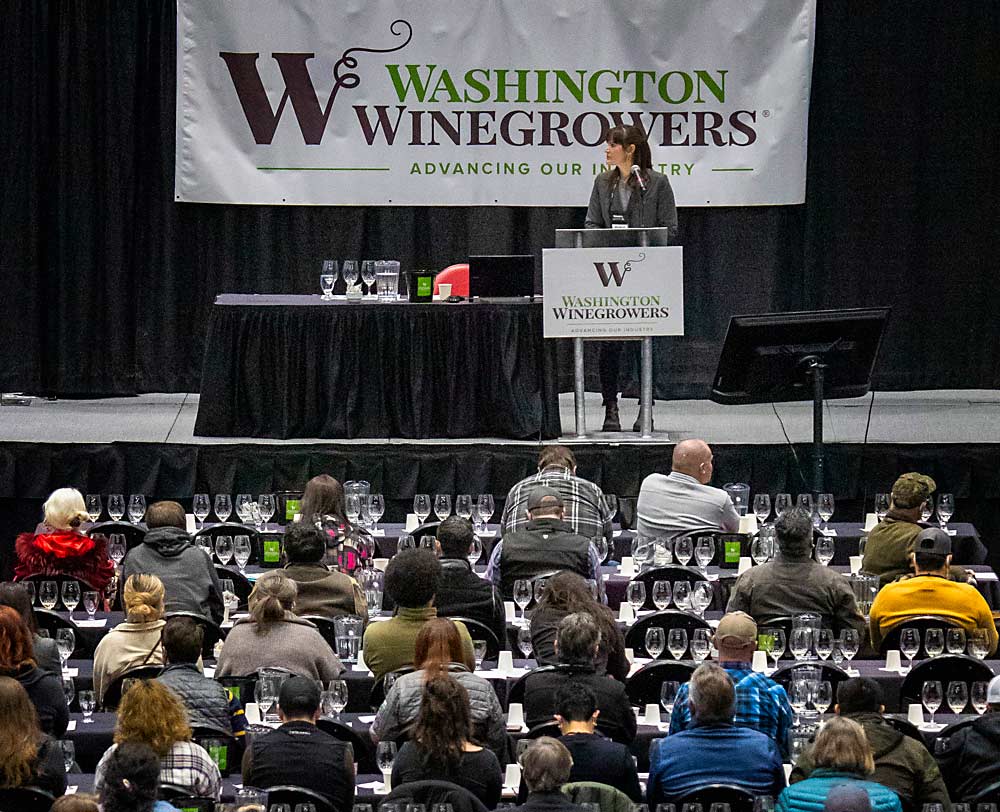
x: 136, y: 642
x: 17, y: 660
x: 274, y: 637
x: 58, y: 547
x: 629, y: 195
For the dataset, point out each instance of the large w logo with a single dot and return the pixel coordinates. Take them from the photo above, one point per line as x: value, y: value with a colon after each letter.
x: 615, y: 273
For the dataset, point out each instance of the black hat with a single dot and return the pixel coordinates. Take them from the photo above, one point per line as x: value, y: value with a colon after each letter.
x: 933, y: 540
x: 543, y: 496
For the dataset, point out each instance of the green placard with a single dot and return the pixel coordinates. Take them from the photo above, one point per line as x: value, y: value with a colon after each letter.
x: 425, y: 285
x: 732, y: 552
x: 220, y: 755
x: 291, y: 508
x: 272, y: 551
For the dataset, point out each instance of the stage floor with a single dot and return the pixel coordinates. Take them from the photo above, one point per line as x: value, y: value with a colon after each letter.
x: 940, y: 416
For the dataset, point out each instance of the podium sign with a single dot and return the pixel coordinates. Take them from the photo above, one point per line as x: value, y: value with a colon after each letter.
x: 613, y: 293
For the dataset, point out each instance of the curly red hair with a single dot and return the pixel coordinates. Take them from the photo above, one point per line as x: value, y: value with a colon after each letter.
x: 15, y: 641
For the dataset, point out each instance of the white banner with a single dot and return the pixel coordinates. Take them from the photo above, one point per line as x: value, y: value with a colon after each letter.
x: 613, y: 292
x: 480, y: 102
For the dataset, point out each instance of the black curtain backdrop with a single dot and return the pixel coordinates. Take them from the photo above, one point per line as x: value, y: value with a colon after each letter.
x: 107, y: 282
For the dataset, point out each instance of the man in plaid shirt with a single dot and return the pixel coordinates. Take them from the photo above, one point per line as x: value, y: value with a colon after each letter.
x: 761, y: 703
x: 583, y: 502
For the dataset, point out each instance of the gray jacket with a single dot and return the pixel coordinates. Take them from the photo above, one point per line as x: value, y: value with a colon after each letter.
x: 292, y: 643
x: 204, y: 699
x: 653, y: 208
x: 402, y: 704
x: 188, y: 575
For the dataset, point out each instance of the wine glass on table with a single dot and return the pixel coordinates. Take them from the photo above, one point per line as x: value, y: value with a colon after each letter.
x: 117, y: 548
x: 368, y: 274
x: 224, y: 549
x: 955, y: 641
x: 825, y: 506
x: 881, y: 505
x: 116, y: 506
x: 782, y: 502
x: 376, y: 508
x: 71, y: 596
x: 945, y: 508
x: 704, y: 552
x: 909, y: 644
x: 850, y: 643
x: 668, y: 694
x: 338, y: 696
x: 48, y: 595
x: 524, y: 641
x: 328, y: 278
x: 701, y: 597
x: 655, y: 642
x: 385, y: 755
x: 244, y: 511
x: 778, y: 644
x: 635, y: 594
x: 979, y: 696
x: 761, y: 506
x: 201, y: 507
x: 422, y: 507
x: 87, y: 702
x: 66, y: 643
x: 475, y: 551
x: 223, y: 506
x: 927, y: 509
x: 91, y: 603
x: 241, y: 552
x: 683, y: 550
x: 486, y: 507
x: 677, y: 642
x: 661, y: 595
x: 267, y: 505
x: 932, y: 696
x: 349, y: 270
x: 825, y: 550
x: 522, y: 594
x: 824, y: 643
x: 701, y: 645
x: 823, y: 697
x: 352, y: 508
x: 934, y: 642
x: 94, y: 507
x: 136, y: 508
x: 463, y: 505
x: 442, y: 506
x: 958, y: 696
x: 682, y: 595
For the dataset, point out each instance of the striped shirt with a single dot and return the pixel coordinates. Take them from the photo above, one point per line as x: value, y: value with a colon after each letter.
x: 583, y: 502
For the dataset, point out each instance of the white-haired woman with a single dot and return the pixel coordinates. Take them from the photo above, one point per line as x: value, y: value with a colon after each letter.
x: 60, y: 548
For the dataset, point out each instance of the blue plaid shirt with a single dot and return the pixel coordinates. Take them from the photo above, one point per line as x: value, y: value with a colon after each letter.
x: 761, y: 704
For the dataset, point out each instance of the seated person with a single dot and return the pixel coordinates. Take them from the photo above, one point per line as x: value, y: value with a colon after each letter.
x: 132, y: 783
x: 28, y: 757
x: 545, y: 768
x: 151, y: 715
x: 323, y: 506
x: 793, y: 583
x: 207, y: 703
x: 298, y: 752
x: 439, y: 648
x: 544, y: 545
x: 576, y: 647
x: 761, y: 703
x: 136, y: 642
x: 462, y: 593
x: 17, y: 597
x: 929, y: 592
x: 273, y: 636
x: 411, y: 582
x: 566, y: 593
x: 970, y: 757
x: 440, y: 749
x: 321, y: 591
x: 901, y: 763
x: 59, y: 548
x: 188, y: 576
x: 17, y: 661
x: 595, y: 757
x: 713, y: 750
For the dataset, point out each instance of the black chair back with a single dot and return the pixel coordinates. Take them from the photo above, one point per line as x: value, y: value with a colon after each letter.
x: 224, y: 750
x: 904, y: 726
x: 547, y: 729
x: 327, y: 629
x: 113, y: 693
x: 635, y: 637
x: 364, y: 755
x: 671, y: 573
x: 213, y: 632
x: 429, y: 793
x: 827, y: 672
x: 378, y: 688
x: 25, y: 799
x: 516, y: 692
x: 292, y: 795
x: 134, y: 535
x: 946, y: 668
x: 241, y: 584
x: 480, y: 631
x: 243, y: 688
x: 643, y: 687
x: 51, y: 622
x: 739, y: 799
x: 922, y: 623
x: 208, y: 535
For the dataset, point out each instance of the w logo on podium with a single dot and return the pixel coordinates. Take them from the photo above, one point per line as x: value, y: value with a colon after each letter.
x: 612, y: 270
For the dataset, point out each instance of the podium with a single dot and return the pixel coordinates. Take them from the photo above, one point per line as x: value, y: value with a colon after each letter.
x: 606, y: 284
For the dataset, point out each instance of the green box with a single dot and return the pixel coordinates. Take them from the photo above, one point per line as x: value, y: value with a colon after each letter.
x: 272, y: 551
x: 732, y: 552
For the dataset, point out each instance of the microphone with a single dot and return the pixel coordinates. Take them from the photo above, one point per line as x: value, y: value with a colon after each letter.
x: 638, y: 176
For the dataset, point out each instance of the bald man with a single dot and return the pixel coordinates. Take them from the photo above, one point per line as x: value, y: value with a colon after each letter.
x: 684, y: 502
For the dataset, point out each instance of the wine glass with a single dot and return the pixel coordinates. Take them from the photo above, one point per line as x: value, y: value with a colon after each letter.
x: 69, y: 690
x: 242, y: 551
x: 328, y: 278
x: 224, y: 549
x: 762, y: 506
x: 824, y: 643
x: 850, y: 642
x: 601, y: 546
x: 661, y: 594
x: 701, y: 644
x: 91, y: 602
x: 881, y: 505
x: 824, y: 506
x: 442, y: 506
x: 136, y: 508
x: 384, y: 756
x: 352, y: 508
x: 68, y: 749
x: 223, y: 506
x: 635, y: 594
x: 782, y: 502
x: 979, y: 643
x: 823, y: 697
x: 677, y: 642
x: 958, y: 696
x: 979, y: 696
x: 267, y: 505
x: 825, y: 549
x: 682, y: 595
x: 927, y: 509
x: 945, y: 508
x: 422, y: 507
x: 762, y: 547
x: 701, y: 597
x: 338, y: 696
x: 668, y: 694
x: 349, y: 270
x: 909, y: 644
x: 479, y: 649
x: 87, y: 702
x: 955, y: 641
x: 244, y: 509
x: 405, y: 542
x: 48, y: 595
x: 643, y: 551
x: 116, y: 506
x: 71, y: 596
x: 522, y: 594
x: 463, y: 506
x: 655, y: 642
x: 683, y: 550
x: 805, y: 502
x: 486, y: 507
x: 475, y: 551
x: 117, y: 547
x: 66, y: 643
x: 704, y: 552
x: 94, y: 508
x: 934, y: 642
x: 800, y: 642
x: 778, y: 645
x: 524, y: 641
x: 376, y: 508
x: 368, y: 273
x: 932, y: 696
x: 201, y: 507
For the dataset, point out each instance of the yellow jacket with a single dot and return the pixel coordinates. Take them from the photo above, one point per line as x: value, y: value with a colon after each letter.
x: 931, y: 595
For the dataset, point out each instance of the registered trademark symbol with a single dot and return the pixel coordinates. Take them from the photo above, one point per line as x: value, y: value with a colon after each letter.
x: 766, y: 114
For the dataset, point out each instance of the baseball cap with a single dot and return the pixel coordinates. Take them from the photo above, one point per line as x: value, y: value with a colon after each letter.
x: 847, y: 798
x: 932, y: 540
x: 540, y: 493
x: 738, y: 628
x: 298, y: 693
x: 993, y: 691
x: 911, y: 489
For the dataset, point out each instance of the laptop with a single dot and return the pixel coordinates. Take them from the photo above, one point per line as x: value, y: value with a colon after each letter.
x: 501, y: 275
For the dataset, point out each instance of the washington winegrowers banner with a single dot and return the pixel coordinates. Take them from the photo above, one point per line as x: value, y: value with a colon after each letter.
x: 472, y: 102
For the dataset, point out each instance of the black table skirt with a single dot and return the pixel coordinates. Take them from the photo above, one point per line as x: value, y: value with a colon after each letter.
x: 295, y: 366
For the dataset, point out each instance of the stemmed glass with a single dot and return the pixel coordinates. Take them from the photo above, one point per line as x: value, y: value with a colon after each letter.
x: 223, y: 506
x: 71, y: 596
x: 655, y: 642
x: 68, y: 749
x: 677, y: 642
x: 668, y: 694
x: 385, y: 755
x: 777, y: 645
x: 661, y: 594
x: 979, y: 643
x: 805, y: 502
x: 422, y: 507
x: 244, y: 511
x: 958, y: 696
x: 934, y: 642
x: 352, y: 508
x: 824, y: 643
x: 376, y: 508
x: 955, y: 640
x: 87, y: 702
x: 850, y: 642
x: 701, y: 597
x: 881, y: 505
x: 824, y: 506
x: 267, y: 506
x: 48, y: 594
x: 338, y: 696
x: 349, y: 270
x: 801, y: 642
x: 823, y: 697
x: 442, y: 506
x: 117, y: 548
x: 979, y: 696
x: 524, y: 641
x: 463, y: 506
x: 927, y: 509
x: 69, y: 690
x: 600, y: 544
x: 909, y: 644
x: 91, y: 602
x: 116, y: 506
x: 682, y: 595
x: 825, y: 549
x: 486, y: 507
x: 635, y: 594
x: 475, y: 551
x: 201, y: 507
x: 94, y: 508
x: 701, y: 645
x: 522, y: 594
x: 762, y: 547
x: 932, y: 696
x: 368, y: 274
x: 224, y: 549
x: 241, y: 552
x: 328, y: 278
x: 136, y: 508
x: 683, y: 550
x: 762, y: 506
x: 782, y: 502
x: 66, y: 643
x: 704, y: 552
x: 945, y: 508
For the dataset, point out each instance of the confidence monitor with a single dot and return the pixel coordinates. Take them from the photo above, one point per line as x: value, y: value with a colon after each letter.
x: 501, y: 276
x: 800, y: 356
